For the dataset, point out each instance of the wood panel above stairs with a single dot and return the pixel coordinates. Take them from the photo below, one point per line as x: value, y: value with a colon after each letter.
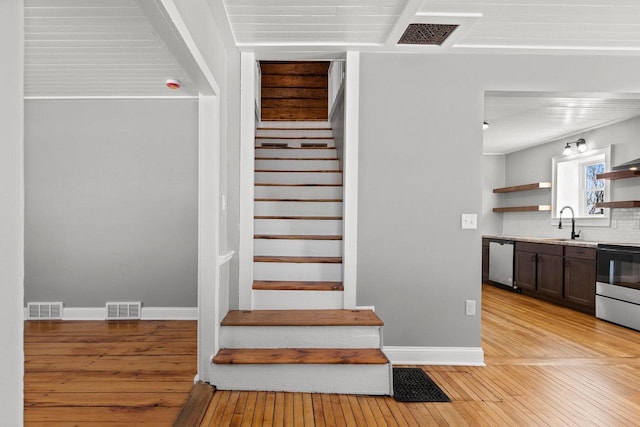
x: 294, y: 90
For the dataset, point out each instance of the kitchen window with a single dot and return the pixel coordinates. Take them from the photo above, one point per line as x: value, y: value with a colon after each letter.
x: 575, y: 184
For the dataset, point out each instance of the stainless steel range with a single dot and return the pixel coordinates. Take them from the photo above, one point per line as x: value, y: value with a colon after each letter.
x: 618, y: 285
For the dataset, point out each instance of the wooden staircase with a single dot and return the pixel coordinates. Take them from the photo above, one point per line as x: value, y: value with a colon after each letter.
x: 298, y: 337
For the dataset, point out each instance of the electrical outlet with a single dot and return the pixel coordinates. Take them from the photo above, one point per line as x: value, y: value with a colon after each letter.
x: 470, y: 307
x: 636, y: 224
x: 469, y: 221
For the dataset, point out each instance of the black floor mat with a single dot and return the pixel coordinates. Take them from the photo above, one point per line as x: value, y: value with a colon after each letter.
x: 413, y: 385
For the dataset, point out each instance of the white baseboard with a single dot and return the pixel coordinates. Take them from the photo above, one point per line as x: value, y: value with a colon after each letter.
x: 148, y: 313
x: 466, y: 356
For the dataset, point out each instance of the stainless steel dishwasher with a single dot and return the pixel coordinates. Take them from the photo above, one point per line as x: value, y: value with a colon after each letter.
x: 501, y: 262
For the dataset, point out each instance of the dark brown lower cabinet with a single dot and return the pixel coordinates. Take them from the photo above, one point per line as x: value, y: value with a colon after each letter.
x: 485, y: 259
x: 525, y: 269
x: 580, y: 278
x: 550, y: 275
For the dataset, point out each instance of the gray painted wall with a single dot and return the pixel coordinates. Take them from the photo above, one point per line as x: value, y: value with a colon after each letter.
x: 534, y: 164
x: 111, y: 202
x: 493, y: 171
x: 420, y: 168
x: 11, y: 212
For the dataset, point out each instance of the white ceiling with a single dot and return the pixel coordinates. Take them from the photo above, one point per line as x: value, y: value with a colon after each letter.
x: 518, y: 120
x: 96, y: 48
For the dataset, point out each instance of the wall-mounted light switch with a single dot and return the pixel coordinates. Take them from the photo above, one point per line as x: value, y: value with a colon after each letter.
x: 469, y: 221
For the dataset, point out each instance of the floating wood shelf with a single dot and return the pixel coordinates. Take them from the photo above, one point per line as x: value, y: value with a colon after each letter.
x: 535, y: 208
x: 618, y: 175
x: 524, y: 187
x: 621, y: 204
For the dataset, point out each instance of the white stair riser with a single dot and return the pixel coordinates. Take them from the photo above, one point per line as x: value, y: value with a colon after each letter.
x: 341, y: 379
x: 294, y: 124
x: 307, y: 271
x: 298, y: 226
x: 297, y: 165
x: 294, y: 133
x: 291, y: 192
x: 296, y: 153
x: 294, y: 143
x: 298, y: 208
x: 297, y: 300
x: 300, y: 337
x: 287, y: 247
x: 298, y: 177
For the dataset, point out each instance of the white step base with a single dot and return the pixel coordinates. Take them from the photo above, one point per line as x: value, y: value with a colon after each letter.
x: 296, y: 300
x: 300, y: 337
x: 298, y: 226
x: 285, y: 208
x: 290, y: 247
x: 292, y: 132
x: 294, y: 142
x: 298, y: 177
x: 291, y: 192
x: 341, y: 379
x: 285, y: 271
x: 297, y: 153
x: 293, y: 124
x: 298, y: 165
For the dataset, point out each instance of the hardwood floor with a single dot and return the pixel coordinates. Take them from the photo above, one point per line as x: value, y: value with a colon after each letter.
x: 107, y: 373
x: 546, y: 365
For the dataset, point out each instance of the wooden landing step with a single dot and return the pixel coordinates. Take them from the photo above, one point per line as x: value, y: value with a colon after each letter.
x: 301, y: 318
x: 297, y: 236
x: 275, y: 285
x: 300, y: 259
x: 294, y: 137
x: 196, y: 406
x: 295, y: 356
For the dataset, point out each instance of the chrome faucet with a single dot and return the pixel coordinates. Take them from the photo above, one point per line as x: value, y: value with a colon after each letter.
x: 574, y: 235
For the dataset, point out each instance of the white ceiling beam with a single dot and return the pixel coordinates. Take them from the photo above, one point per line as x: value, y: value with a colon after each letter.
x: 408, y: 13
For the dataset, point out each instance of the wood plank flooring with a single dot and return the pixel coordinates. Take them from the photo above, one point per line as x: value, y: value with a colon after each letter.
x: 546, y: 365
x: 107, y: 373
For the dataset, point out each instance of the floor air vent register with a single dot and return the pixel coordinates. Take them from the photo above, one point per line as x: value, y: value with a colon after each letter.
x: 123, y: 310
x: 44, y: 310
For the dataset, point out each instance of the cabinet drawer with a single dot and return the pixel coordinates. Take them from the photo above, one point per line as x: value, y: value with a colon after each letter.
x: 540, y: 248
x: 580, y: 252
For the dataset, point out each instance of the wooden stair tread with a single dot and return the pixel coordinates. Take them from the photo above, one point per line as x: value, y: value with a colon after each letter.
x: 300, y: 259
x: 297, y: 158
x: 297, y: 185
x: 302, y: 318
x: 298, y: 217
x: 294, y: 137
x: 297, y: 236
x: 274, y: 285
x: 325, y: 356
x: 298, y: 171
x: 297, y: 200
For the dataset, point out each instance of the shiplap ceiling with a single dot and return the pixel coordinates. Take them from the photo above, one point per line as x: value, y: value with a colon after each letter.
x: 268, y: 25
x: 96, y: 48
x: 518, y: 120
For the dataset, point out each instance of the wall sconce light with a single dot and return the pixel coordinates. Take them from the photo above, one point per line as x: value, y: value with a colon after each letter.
x: 581, y: 147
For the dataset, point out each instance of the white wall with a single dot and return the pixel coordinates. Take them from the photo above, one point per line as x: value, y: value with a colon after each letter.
x: 420, y: 168
x: 111, y: 201
x: 534, y: 164
x: 11, y: 212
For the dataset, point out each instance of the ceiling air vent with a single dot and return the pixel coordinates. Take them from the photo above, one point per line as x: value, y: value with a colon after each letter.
x: 44, y: 310
x: 123, y: 310
x: 427, y: 34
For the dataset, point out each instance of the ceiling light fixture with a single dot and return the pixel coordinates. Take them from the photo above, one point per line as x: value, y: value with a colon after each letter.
x: 581, y: 147
x: 485, y: 125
